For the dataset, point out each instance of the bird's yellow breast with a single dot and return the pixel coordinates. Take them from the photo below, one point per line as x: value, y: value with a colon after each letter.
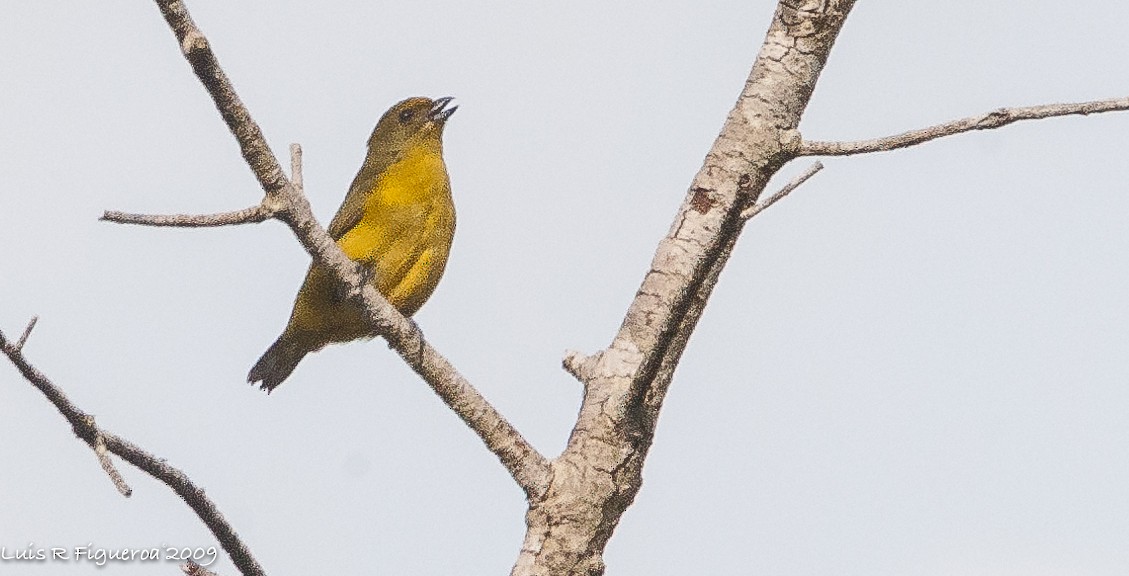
x: 409, y: 210
x: 416, y: 177
x: 404, y: 235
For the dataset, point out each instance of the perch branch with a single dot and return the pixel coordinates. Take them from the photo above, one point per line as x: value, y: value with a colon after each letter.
x: 527, y: 466
x: 993, y: 119
x: 85, y: 428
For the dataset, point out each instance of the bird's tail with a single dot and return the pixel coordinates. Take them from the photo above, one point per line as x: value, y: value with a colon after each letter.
x: 277, y: 363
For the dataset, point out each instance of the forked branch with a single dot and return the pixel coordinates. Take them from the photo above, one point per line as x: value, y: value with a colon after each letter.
x: 102, y: 441
x: 285, y: 201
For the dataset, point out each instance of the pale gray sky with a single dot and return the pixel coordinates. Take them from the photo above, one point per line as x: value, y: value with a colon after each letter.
x: 917, y: 364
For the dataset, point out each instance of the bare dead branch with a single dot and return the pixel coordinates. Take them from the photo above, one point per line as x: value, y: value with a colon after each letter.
x: 786, y: 190
x: 251, y: 215
x: 527, y: 466
x: 85, y: 428
x: 600, y: 471
x: 27, y: 332
x: 993, y: 119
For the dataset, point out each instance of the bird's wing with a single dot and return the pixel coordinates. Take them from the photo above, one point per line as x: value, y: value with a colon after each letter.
x: 353, y: 207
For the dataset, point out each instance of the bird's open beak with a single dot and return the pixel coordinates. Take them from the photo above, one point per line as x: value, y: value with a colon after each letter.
x: 439, y: 111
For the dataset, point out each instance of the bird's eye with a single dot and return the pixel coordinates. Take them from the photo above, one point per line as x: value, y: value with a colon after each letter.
x: 406, y: 115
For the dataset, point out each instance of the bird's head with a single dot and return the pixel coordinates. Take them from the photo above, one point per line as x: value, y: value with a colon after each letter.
x: 415, y: 121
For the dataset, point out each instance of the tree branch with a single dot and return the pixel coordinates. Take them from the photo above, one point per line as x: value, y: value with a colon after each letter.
x: 27, y: 332
x: 993, y: 119
x: 101, y: 441
x: 600, y: 471
x: 796, y: 182
x: 107, y: 463
x: 251, y: 215
x: 527, y: 466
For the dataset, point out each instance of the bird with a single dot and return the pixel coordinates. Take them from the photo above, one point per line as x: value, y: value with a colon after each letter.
x: 397, y: 221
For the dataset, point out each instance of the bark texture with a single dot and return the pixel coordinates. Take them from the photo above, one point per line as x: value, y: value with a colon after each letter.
x: 598, y: 475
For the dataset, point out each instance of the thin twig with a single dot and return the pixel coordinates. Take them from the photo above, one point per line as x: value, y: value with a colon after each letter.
x: 251, y: 215
x: 85, y: 428
x: 527, y: 466
x: 108, y: 464
x: 786, y: 190
x: 994, y: 119
x: 27, y: 332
